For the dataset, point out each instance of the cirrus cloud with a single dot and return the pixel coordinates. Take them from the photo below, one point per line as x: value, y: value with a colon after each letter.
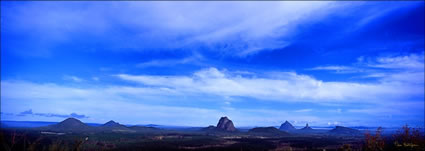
x: 285, y: 86
x: 235, y: 28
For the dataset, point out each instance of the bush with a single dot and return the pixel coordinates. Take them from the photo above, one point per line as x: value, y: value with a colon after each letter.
x: 374, y: 142
x: 408, y: 139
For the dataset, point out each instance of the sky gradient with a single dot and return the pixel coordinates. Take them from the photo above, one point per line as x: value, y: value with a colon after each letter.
x: 189, y: 63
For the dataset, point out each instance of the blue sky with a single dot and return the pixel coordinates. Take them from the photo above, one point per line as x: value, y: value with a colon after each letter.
x: 189, y: 63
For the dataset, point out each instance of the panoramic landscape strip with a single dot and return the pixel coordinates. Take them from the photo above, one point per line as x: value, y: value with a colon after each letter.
x: 72, y: 134
x: 212, y: 75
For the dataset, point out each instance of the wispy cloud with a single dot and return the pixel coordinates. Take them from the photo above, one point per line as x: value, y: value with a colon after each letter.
x: 304, y: 110
x: 107, y: 102
x: 211, y: 83
x: 95, y: 78
x: 406, y: 62
x: 102, y: 110
x: 339, y: 69
x: 233, y: 29
x: 286, y: 86
x: 29, y: 113
x: 396, y: 68
x: 193, y: 59
x: 72, y: 78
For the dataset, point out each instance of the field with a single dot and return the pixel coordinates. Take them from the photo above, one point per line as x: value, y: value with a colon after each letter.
x: 30, y: 139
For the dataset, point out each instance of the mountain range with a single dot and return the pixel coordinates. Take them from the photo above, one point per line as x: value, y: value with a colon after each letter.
x: 75, y: 125
x: 224, y: 125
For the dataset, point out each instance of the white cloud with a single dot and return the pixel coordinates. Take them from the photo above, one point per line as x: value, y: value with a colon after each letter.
x: 95, y: 78
x: 398, y: 69
x: 392, y: 93
x: 339, y: 69
x: 405, y: 77
x: 193, y: 59
x: 304, y: 110
x: 72, y: 78
x: 237, y: 28
x: 130, y: 104
x: 52, y: 91
x: 284, y: 86
x: 402, y: 69
x: 331, y: 68
x: 412, y: 62
x: 234, y: 26
x: 338, y: 110
x: 102, y: 104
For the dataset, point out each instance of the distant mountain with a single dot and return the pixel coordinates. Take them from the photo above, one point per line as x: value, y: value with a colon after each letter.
x: 223, y: 125
x: 69, y: 124
x: 75, y: 125
x: 226, y: 124
x: 306, y: 128
x: 340, y: 130
x: 111, y: 123
x: 143, y: 128
x: 152, y: 125
x: 265, y: 130
x: 114, y: 126
x: 287, y: 127
x: 209, y: 128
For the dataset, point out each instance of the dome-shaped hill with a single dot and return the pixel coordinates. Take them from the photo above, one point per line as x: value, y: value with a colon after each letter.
x: 340, y: 130
x: 70, y: 124
x: 265, y: 130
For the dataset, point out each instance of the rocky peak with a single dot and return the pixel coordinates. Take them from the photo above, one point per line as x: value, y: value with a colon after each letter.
x: 225, y: 124
x: 287, y: 126
x: 307, y: 127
